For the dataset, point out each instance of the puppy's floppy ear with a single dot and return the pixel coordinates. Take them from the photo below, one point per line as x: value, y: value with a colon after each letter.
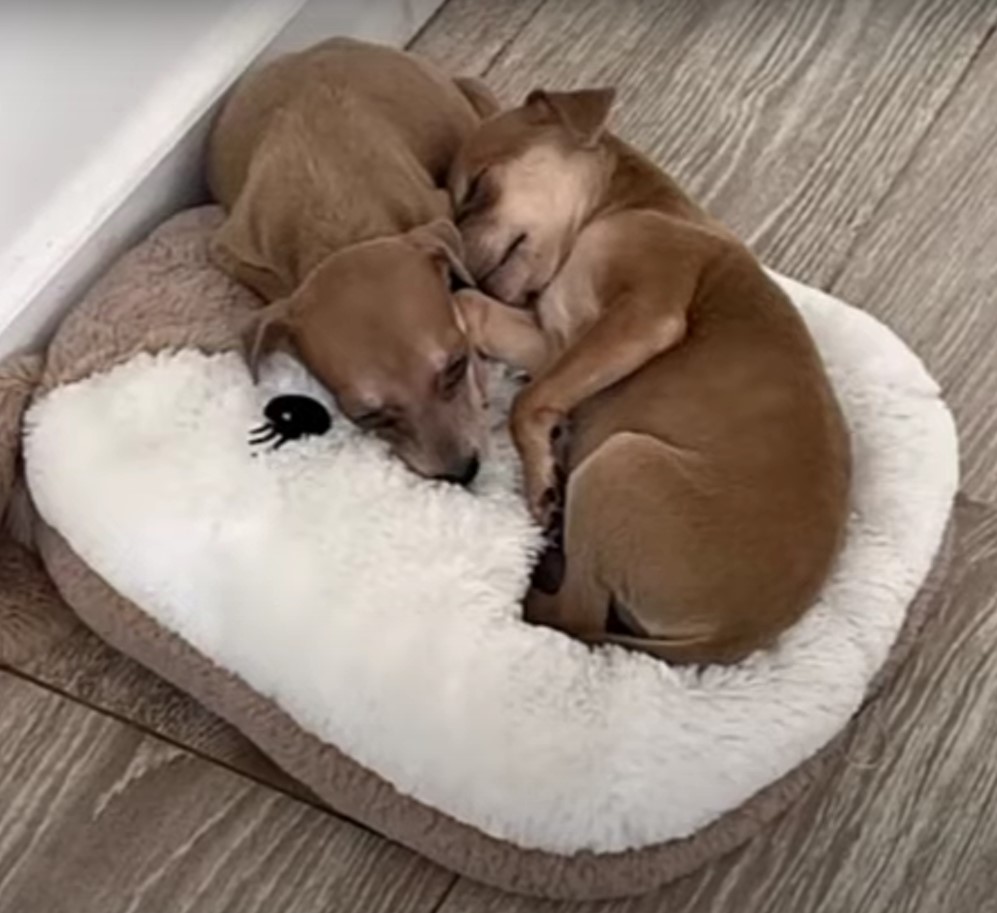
x: 582, y: 113
x: 440, y: 239
x: 482, y: 99
x: 245, y: 244
x: 267, y: 329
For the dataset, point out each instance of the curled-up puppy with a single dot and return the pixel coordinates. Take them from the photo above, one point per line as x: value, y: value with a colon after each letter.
x: 708, y: 461
x: 331, y: 165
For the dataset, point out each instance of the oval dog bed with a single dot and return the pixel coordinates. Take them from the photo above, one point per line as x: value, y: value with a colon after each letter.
x: 363, y: 626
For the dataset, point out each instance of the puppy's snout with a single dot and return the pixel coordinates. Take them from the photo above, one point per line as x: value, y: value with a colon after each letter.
x: 465, y: 472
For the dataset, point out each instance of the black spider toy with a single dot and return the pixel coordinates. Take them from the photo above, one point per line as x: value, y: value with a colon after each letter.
x: 289, y: 418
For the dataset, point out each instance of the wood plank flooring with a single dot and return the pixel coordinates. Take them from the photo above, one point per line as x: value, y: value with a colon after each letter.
x: 852, y: 143
x: 927, y: 264
x: 97, y: 816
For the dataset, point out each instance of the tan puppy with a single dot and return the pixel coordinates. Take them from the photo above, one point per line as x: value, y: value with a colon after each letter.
x: 708, y: 462
x: 320, y: 158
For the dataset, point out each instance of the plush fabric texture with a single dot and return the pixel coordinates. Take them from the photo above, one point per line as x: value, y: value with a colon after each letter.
x: 165, y: 294
x: 19, y: 376
x: 362, y: 626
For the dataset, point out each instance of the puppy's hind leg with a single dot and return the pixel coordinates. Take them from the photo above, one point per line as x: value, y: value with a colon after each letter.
x: 577, y: 603
x: 579, y: 608
x: 622, y: 523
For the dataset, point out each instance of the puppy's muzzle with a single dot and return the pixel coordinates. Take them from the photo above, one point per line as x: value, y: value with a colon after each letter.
x: 464, y: 472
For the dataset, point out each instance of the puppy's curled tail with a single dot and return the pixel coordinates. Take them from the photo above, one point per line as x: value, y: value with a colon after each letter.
x: 19, y: 375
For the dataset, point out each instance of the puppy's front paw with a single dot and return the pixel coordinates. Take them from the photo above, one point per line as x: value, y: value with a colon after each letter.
x: 472, y: 308
x: 542, y: 494
x: 533, y: 429
x: 548, y: 573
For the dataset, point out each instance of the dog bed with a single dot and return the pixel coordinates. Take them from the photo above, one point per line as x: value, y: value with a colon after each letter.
x: 363, y: 626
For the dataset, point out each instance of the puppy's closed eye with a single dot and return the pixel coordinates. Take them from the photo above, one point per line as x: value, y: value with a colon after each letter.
x: 379, y: 421
x: 474, y: 185
x: 454, y: 374
x: 477, y: 196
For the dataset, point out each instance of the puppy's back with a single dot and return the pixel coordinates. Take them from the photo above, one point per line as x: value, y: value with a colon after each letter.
x: 338, y: 144
x: 413, y: 100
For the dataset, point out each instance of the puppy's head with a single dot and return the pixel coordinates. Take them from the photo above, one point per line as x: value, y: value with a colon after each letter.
x: 377, y: 324
x: 523, y: 185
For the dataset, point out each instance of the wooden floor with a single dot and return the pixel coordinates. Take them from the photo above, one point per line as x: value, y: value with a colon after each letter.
x: 854, y: 143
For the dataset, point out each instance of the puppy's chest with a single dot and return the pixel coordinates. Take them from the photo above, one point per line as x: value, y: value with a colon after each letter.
x: 568, y: 307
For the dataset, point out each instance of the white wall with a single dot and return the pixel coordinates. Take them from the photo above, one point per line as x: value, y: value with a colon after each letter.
x: 105, y: 104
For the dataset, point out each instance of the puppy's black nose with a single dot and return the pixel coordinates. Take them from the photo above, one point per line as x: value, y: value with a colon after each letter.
x: 465, y: 472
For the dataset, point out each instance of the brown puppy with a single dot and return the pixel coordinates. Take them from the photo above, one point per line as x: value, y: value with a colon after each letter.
x: 708, y: 460
x: 315, y: 156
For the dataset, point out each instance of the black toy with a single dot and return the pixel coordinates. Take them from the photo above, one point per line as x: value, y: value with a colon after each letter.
x: 289, y: 418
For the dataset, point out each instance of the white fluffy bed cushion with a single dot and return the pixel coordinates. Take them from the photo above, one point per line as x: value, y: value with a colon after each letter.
x: 382, y: 612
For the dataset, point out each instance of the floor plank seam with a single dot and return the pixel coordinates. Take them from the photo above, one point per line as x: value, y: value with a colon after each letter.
x: 863, y: 233
x: 512, y: 39
x: 445, y: 896
x: 428, y: 25
x: 159, y: 736
x: 964, y: 499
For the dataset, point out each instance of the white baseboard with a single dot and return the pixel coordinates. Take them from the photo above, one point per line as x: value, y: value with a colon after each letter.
x: 150, y: 166
x: 387, y: 21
